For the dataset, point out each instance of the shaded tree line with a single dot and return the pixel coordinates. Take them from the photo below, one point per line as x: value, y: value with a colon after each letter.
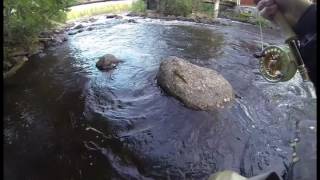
x: 25, y: 19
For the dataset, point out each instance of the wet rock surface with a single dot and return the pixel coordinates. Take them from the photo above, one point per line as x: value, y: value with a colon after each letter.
x: 197, y: 87
x: 110, y: 16
x: 92, y: 19
x: 75, y: 32
x: 107, y: 62
x: 90, y: 28
x: 79, y: 26
x: 132, y: 21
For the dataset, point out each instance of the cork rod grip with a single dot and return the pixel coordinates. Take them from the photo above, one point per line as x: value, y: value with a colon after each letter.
x: 281, y: 21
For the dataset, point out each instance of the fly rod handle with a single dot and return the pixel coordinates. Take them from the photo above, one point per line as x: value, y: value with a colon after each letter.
x: 290, y: 34
x: 282, y: 22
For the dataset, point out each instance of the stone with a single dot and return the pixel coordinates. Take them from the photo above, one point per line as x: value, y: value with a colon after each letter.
x: 132, y: 21
x: 133, y: 14
x: 79, y: 26
x: 153, y: 16
x: 107, y: 62
x: 171, y: 17
x: 69, y: 26
x: 181, y: 18
x: 20, y: 59
x: 197, y: 87
x: 18, y: 52
x: 249, y: 10
x: 110, y: 16
x: 7, y: 65
x: 92, y: 20
x: 75, y: 32
x: 90, y: 28
x: 58, y: 31
x: 72, y: 33
x: 59, y: 38
x: 36, y: 49
x: 205, y: 20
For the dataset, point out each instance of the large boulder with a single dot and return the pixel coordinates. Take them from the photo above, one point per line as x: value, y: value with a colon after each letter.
x: 107, y: 62
x: 197, y: 87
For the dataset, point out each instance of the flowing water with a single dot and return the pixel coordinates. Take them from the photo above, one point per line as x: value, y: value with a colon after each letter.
x: 64, y: 119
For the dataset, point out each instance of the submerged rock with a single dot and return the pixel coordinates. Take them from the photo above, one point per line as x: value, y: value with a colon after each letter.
x: 90, y: 28
x: 110, y: 16
x: 36, y: 49
x: 93, y: 19
x: 171, y: 17
x: 75, y: 32
x: 59, y: 38
x: 197, y: 87
x: 69, y: 26
x: 181, y: 18
x: 135, y: 14
x: 132, y: 21
x: 79, y: 26
x: 18, y: 52
x: 18, y: 61
x: 107, y: 62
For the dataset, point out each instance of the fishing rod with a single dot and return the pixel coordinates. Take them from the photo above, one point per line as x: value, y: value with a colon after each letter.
x: 279, y: 63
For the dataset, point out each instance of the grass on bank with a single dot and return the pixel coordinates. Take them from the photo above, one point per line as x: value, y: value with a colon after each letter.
x: 138, y: 6
x: 92, y: 10
x: 205, y: 9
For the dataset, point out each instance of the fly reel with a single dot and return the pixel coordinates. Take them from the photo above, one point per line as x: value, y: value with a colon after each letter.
x: 277, y: 63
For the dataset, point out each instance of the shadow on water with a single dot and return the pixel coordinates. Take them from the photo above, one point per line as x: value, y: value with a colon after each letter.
x: 64, y: 119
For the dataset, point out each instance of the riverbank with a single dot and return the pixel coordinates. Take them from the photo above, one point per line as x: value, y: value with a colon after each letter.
x: 89, y: 10
x: 16, y: 55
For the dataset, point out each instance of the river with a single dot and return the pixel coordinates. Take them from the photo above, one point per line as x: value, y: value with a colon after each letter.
x: 64, y: 119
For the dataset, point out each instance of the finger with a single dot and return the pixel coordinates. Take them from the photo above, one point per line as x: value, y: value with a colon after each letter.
x: 265, y: 3
x: 273, y: 11
x: 256, y: 1
x: 269, y: 12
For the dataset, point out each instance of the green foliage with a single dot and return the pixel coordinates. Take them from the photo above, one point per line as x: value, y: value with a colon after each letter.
x: 96, y: 9
x: 176, y: 7
x: 205, y: 7
x: 138, y: 6
x: 263, y: 22
x: 25, y: 19
x: 186, y: 7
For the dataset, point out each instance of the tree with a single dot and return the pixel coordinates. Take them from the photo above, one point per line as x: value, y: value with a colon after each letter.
x: 25, y: 19
x: 176, y: 7
x: 216, y: 5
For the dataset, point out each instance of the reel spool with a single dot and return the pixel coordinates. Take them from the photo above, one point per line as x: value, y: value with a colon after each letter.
x: 277, y: 63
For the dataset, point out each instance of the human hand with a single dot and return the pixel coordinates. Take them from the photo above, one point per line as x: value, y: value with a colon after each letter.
x: 267, y: 8
x: 291, y: 9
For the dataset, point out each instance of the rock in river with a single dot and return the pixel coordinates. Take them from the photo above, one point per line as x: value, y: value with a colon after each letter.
x: 197, y: 87
x: 79, y: 26
x: 107, y: 62
x: 110, y: 16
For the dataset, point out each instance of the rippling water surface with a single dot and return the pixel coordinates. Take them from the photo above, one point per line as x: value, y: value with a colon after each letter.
x: 64, y: 119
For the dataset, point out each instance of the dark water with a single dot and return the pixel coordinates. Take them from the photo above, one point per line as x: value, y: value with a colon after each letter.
x: 64, y: 119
